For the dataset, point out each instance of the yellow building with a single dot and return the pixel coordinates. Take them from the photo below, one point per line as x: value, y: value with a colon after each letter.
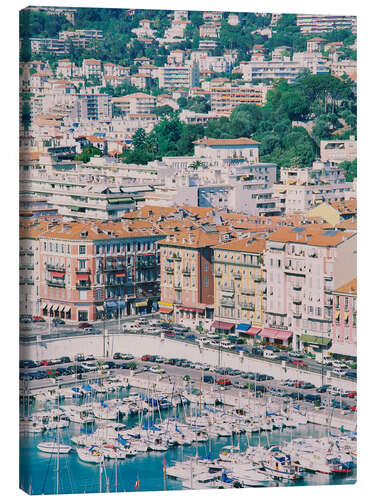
x: 239, y: 286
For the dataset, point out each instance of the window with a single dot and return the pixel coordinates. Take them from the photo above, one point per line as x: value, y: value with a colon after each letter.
x: 206, y: 266
x: 82, y: 264
x: 82, y: 294
x: 206, y: 281
x: 68, y: 249
x: 82, y: 249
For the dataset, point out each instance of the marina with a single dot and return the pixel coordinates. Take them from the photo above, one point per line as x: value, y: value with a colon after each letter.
x: 110, y: 436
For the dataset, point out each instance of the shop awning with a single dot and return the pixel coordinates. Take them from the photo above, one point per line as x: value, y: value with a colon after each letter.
x: 165, y: 304
x: 346, y: 316
x: 83, y: 277
x: 254, y: 331
x: 191, y: 309
x: 165, y: 310
x: 67, y: 309
x: 272, y: 333
x: 337, y: 314
x: 57, y: 274
x: 50, y: 307
x: 141, y: 304
x: 99, y: 308
x: 222, y: 325
x: 314, y: 339
x: 55, y: 307
x: 44, y: 305
x: 243, y: 327
x: 120, y: 275
x: 63, y: 309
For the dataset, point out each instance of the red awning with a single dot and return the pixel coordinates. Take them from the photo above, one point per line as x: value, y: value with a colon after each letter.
x: 222, y: 325
x: 145, y: 254
x: 57, y: 274
x: 120, y: 275
x: 191, y: 309
x: 272, y: 333
x: 253, y: 331
x: 84, y: 277
x: 165, y: 310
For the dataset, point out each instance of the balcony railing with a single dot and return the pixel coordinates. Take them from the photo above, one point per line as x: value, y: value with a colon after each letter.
x: 30, y: 267
x: 328, y: 278
x: 53, y: 267
x: 297, y: 300
x: 26, y: 282
x: 297, y: 288
x: 218, y: 274
x: 57, y: 284
x: 178, y: 287
x: 246, y: 291
x: 229, y: 288
x: 186, y: 272
x: 177, y: 258
x: 291, y: 270
x: 83, y: 286
x: 246, y: 305
x: 145, y: 265
x: 227, y: 303
x: 83, y: 271
x: 237, y: 276
x: 169, y: 270
x: 118, y: 268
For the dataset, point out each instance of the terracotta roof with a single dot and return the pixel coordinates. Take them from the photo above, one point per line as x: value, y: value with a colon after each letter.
x: 313, y: 234
x: 241, y: 141
x: 350, y: 287
x: 249, y: 245
x: 191, y: 239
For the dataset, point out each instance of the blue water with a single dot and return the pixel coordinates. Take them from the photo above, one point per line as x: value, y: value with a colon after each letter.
x: 38, y: 469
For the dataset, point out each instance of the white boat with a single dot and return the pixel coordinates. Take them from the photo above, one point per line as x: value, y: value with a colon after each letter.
x: 78, y: 414
x: 53, y: 447
x: 105, y: 412
x: 113, y: 452
x: 92, y: 455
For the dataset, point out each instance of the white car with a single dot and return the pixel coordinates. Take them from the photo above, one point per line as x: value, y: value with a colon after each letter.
x: 151, y: 330
x: 215, y: 343
x: 130, y: 326
x: 204, y: 340
x: 338, y: 364
x: 339, y: 371
x: 225, y: 344
x: 157, y: 369
x: 90, y: 366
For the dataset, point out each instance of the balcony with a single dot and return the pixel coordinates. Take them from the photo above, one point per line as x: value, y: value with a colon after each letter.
x: 83, y: 271
x: 237, y: 276
x: 297, y: 288
x: 26, y: 282
x: 258, y: 280
x: 145, y: 265
x: 169, y: 270
x: 53, y: 267
x: 178, y: 287
x: 218, y: 274
x: 229, y: 288
x: 186, y: 272
x: 246, y: 305
x: 291, y: 270
x: 328, y: 278
x: 297, y: 314
x: 83, y: 286
x: 227, y: 303
x: 246, y: 291
x: 177, y: 258
x: 296, y: 300
x: 118, y: 268
x: 57, y: 284
x: 30, y: 267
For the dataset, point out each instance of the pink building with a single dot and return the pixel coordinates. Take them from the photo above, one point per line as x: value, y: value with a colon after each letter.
x: 344, y: 325
x: 186, y: 277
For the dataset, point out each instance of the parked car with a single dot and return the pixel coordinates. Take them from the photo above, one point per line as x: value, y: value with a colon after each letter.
x: 226, y: 344
x: 312, y: 398
x: 84, y: 325
x: 257, y: 351
x: 144, y: 357
x: 339, y: 371
x: 296, y: 354
x: 58, y: 321
x: 340, y: 404
x: 351, y: 394
x: 239, y: 348
x: 65, y: 359
x: 38, y: 319
x: 307, y: 385
x: 351, y: 374
x: 322, y: 388
x: 214, y: 343
x: 180, y: 328
x: 192, y: 338
x: 90, y: 357
x: 298, y: 363
x: 209, y: 379
x: 283, y: 357
x: 224, y: 382
x: 353, y: 407
x: 117, y: 355
x: 79, y: 357
x: 127, y: 357
x: 90, y: 366
x: 157, y: 369
x: 268, y: 354
x: 295, y: 395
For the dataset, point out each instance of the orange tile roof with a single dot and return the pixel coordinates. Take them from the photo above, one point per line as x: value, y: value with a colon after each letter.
x: 249, y: 245
x: 241, y: 141
x: 350, y: 287
x: 313, y: 234
x: 191, y: 239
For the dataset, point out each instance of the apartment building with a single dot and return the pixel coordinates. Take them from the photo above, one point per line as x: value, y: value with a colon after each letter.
x: 314, y: 23
x: 176, y: 57
x: 271, y: 70
x: 50, y: 45
x: 98, y: 270
x: 81, y: 39
x: 315, y: 44
x: 137, y: 103
x: 337, y: 151
x: 225, y: 97
x: 68, y: 13
x: 212, y: 16
x: 343, y: 67
x: 66, y: 68
x: 233, y: 20
x: 179, y: 76
x: 240, y: 149
x: 210, y: 30
x: 91, y: 67
x: 239, y: 287
x: 303, y: 265
x: 344, y: 321
x: 186, y: 277
x: 144, y: 30
x: 208, y: 45
x: 92, y: 106
x: 215, y: 64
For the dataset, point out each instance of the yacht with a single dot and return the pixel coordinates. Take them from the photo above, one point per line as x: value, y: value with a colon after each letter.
x: 53, y: 447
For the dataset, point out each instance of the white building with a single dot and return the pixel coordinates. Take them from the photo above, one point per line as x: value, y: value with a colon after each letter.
x: 337, y: 151
x: 179, y: 76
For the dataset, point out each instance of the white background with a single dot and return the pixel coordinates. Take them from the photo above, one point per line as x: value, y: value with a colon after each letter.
x: 9, y: 241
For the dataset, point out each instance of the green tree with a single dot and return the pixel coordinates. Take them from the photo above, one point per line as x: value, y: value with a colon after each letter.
x: 87, y: 153
x: 26, y: 115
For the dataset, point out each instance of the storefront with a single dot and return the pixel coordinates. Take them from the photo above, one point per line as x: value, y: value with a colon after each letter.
x: 277, y: 337
x: 314, y: 344
x: 222, y: 327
